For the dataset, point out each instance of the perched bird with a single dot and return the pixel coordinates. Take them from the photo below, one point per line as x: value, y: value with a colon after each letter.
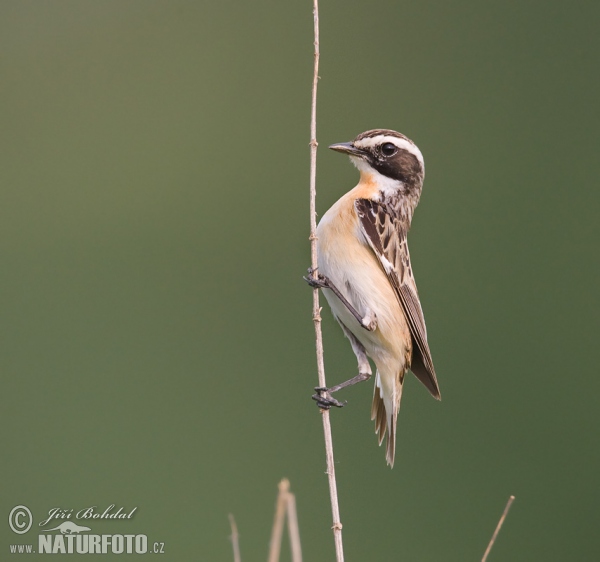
x: 365, y: 272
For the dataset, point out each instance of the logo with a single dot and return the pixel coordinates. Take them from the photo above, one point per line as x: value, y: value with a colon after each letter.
x: 68, y: 537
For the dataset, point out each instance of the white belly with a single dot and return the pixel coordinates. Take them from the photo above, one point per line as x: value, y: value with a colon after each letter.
x: 350, y: 264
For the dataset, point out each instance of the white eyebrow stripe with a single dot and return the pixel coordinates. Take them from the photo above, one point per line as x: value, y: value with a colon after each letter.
x: 400, y: 143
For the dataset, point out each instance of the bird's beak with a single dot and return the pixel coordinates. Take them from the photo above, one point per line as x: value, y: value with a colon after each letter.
x: 347, y: 148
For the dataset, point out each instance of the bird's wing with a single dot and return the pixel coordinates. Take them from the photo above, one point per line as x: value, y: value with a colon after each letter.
x: 387, y: 239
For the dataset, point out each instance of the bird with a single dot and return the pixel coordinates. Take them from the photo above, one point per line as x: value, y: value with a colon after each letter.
x: 364, y: 271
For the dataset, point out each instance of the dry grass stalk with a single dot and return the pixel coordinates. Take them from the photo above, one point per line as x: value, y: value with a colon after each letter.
x: 498, y: 527
x: 293, y: 528
x: 286, y: 504
x: 335, y: 510
x: 235, y: 540
x: 277, y: 531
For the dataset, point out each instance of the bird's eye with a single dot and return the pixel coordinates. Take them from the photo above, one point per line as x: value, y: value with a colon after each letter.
x: 388, y: 149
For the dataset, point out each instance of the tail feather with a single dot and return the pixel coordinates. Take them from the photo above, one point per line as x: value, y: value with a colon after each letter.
x: 384, y: 410
x: 378, y: 414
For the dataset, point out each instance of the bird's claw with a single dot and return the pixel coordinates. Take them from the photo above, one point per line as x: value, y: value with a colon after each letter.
x: 324, y: 399
x: 315, y: 279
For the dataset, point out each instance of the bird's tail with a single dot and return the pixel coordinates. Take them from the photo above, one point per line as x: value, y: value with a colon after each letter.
x: 384, y: 410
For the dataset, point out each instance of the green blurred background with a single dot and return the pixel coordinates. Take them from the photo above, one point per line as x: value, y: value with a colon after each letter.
x: 157, y: 344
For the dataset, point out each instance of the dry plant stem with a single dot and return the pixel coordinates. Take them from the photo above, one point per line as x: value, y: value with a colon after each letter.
x: 235, y: 540
x: 277, y: 532
x: 293, y: 528
x: 498, y: 527
x: 335, y: 510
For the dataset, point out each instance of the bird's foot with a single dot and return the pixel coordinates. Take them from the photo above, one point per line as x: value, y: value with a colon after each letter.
x: 325, y: 400
x: 315, y: 279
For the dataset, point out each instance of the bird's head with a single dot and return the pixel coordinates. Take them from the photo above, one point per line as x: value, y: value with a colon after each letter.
x: 389, y: 159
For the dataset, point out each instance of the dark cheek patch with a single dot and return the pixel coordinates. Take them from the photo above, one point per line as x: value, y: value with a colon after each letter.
x: 404, y: 167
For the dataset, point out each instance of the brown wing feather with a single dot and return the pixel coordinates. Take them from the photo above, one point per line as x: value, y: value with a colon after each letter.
x: 387, y: 238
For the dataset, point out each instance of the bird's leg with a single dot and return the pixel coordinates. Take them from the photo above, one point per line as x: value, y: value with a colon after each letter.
x: 319, y: 281
x: 323, y: 396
